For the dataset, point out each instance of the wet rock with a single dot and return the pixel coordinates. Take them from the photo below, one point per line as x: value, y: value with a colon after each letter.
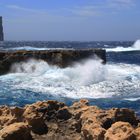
x: 16, y: 131
x: 61, y: 58
x: 120, y: 131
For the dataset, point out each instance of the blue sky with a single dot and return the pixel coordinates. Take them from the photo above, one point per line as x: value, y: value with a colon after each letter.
x: 71, y: 20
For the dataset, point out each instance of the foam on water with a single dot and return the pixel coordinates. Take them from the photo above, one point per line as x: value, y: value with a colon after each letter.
x: 30, y: 48
x: 134, y: 47
x: 87, y: 79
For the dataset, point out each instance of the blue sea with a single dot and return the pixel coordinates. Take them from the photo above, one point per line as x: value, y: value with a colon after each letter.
x: 115, y: 84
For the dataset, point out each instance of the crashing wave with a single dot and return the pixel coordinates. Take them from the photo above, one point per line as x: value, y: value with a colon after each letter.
x: 88, y: 79
x: 134, y: 47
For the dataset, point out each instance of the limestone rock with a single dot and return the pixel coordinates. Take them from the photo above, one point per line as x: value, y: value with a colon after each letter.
x: 10, y: 115
x: 61, y: 58
x: 16, y: 131
x: 120, y: 131
x: 35, y: 120
x: 54, y: 120
x: 137, y: 133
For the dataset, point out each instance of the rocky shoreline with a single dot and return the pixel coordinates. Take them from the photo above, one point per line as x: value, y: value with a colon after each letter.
x: 61, y: 58
x: 52, y: 120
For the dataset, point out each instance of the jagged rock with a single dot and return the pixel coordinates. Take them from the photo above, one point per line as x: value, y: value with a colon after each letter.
x: 137, y: 133
x: 54, y: 120
x: 92, y: 131
x: 16, y: 131
x: 124, y: 114
x: 35, y: 120
x: 64, y: 114
x: 120, y: 131
x: 10, y: 115
x: 80, y: 104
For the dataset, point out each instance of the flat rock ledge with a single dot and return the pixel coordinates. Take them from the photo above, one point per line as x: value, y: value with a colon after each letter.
x: 52, y: 120
x: 61, y: 58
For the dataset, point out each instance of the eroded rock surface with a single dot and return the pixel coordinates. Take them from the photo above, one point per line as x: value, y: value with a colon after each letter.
x: 52, y: 120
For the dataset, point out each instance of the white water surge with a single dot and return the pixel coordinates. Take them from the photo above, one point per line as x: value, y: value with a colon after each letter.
x: 88, y: 79
x: 134, y: 47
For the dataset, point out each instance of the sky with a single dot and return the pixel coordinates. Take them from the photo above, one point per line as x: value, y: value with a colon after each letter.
x: 71, y: 20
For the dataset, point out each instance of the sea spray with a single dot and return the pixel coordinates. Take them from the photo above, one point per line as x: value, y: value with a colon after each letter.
x: 137, y: 44
x: 134, y: 47
x: 86, y: 79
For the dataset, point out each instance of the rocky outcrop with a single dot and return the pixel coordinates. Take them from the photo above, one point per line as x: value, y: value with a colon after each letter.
x: 53, y: 120
x: 61, y: 58
x: 16, y: 131
x: 1, y: 30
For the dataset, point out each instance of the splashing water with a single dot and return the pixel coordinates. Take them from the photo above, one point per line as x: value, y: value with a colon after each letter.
x: 134, y: 47
x: 87, y: 79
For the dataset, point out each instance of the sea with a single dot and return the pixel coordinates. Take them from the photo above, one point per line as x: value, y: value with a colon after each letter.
x: 114, y: 84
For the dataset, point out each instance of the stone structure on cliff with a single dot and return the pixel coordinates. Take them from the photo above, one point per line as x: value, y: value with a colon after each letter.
x: 1, y: 30
x: 61, y: 58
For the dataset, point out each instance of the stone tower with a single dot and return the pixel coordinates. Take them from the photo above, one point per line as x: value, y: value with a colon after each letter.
x: 1, y: 30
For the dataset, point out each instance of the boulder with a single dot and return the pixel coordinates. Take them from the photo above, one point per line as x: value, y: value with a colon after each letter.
x: 10, y: 115
x: 35, y: 120
x: 120, y: 131
x: 16, y: 131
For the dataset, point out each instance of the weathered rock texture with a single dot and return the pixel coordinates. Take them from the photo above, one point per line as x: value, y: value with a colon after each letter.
x: 62, y: 58
x: 52, y: 120
x: 1, y: 30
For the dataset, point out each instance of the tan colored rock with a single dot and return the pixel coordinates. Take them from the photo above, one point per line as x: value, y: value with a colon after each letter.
x: 16, y: 131
x: 92, y: 131
x: 124, y: 114
x: 10, y: 115
x: 80, y: 104
x: 35, y: 120
x: 120, y: 131
x: 137, y: 133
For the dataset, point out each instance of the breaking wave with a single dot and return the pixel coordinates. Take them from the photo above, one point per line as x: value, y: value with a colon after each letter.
x: 134, y: 47
x: 87, y: 79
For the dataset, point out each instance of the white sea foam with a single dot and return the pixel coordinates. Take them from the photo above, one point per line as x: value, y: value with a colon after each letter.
x: 30, y: 48
x: 88, y: 79
x: 134, y: 47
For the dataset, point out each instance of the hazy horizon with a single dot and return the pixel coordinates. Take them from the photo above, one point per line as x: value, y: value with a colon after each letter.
x: 82, y: 20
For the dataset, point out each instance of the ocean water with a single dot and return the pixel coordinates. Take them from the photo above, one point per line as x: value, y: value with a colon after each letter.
x: 115, y: 84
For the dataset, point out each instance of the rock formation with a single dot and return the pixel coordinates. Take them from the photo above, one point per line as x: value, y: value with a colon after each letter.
x: 1, y: 30
x: 62, y: 58
x: 52, y: 120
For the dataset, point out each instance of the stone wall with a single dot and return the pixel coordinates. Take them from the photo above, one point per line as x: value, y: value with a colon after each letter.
x: 61, y: 58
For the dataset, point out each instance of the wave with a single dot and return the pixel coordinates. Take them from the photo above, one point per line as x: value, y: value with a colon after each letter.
x: 88, y: 79
x: 134, y: 47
